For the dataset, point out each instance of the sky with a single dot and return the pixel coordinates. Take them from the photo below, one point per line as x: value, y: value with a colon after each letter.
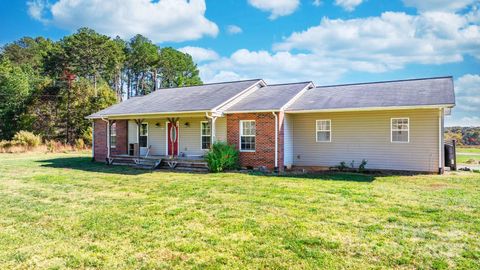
x: 327, y: 42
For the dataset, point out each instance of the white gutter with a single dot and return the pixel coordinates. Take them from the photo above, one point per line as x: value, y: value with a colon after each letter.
x: 142, y: 114
x: 276, y: 140
x: 374, y: 108
x: 251, y: 111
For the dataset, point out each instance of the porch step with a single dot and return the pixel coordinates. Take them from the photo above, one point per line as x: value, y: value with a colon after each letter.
x: 184, y: 165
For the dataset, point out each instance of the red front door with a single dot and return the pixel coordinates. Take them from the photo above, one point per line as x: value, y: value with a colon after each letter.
x: 172, y: 139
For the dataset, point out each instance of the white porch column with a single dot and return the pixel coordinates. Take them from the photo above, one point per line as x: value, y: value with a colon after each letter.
x: 213, y: 130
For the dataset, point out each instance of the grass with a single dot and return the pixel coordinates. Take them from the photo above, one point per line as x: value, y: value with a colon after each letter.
x: 468, y: 154
x: 469, y: 150
x: 60, y: 211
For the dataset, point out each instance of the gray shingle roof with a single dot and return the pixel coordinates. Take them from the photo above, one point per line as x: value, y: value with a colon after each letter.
x: 416, y: 92
x: 183, y: 99
x: 271, y: 97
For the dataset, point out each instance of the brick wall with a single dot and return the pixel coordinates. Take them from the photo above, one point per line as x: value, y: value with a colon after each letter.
x: 122, y: 138
x: 100, y: 140
x: 100, y: 137
x: 264, y: 154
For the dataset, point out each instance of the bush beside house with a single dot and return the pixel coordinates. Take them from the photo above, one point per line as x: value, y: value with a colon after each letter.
x: 222, y: 157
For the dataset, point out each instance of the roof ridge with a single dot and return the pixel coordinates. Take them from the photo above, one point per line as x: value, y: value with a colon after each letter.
x: 209, y: 84
x: 378, y: 82
x: 289, y: 83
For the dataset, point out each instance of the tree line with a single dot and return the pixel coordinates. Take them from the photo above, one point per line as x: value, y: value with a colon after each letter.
x: 48, y: 87
x: 463, y: 135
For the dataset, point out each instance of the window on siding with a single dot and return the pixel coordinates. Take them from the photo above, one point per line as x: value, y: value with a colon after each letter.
x: 205, y: 134
x: 324, y: 130
x: 113, y: 135
x: 247, y: 135
x: 143, y: 135
x: 400, y: 129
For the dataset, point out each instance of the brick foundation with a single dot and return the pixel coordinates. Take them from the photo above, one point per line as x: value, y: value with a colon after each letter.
x: 264, y: 154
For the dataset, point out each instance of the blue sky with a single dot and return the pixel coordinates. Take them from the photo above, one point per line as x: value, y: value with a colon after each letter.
x: 327, y: 42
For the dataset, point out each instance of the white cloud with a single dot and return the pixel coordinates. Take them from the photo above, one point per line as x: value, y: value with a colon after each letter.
x: 390, y: 41
x: 273, y: 67
x: 467, y: 92
x: 200, y: 54
x: 326, y: 52
x: 276, y: 8
x: 348, y: 5
x: 166, y: 20
x: 316, y: 3
x: 234, y: 29
x: 438, y: 5
x: 467, y: 121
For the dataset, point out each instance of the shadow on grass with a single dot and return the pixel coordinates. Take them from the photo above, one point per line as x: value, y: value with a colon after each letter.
x: 328, y: 176
x: 86, y: 164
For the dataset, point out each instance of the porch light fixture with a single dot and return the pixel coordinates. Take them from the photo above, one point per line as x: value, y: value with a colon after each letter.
x: 187, y: 124
x: 157, y: 124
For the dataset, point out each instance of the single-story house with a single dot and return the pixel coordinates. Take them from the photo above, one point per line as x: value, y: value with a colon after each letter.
x: 394, y: 125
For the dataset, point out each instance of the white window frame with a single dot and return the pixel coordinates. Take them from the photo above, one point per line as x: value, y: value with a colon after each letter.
x: 317, y: 130
x: 392, y: 130
x: 113, y: 134
x: 148, y: 130
x: 241, y: 135
x: 202, y: 135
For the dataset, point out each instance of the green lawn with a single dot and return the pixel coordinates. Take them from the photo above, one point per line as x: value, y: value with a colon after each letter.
x: 468, y: 150
x: 61, y: 211
x: 468, y: 154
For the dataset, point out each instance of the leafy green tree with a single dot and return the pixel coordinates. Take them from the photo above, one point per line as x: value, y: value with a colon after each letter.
x: 29, y: 53
x: 142, y: 59
x: 177, y: 69
x: 14, y: 93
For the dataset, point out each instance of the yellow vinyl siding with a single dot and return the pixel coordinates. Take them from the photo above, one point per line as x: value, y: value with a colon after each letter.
x: 366, y: 135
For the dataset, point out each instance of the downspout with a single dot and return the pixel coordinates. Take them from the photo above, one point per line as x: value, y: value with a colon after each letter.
x: 276, y: 140
x: 108, y: 137
x: 440, y: 141
x: 213, y: 131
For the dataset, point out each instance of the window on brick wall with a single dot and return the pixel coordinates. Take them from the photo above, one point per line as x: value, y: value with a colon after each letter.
x: 247, y: 135
x: 113, y: 135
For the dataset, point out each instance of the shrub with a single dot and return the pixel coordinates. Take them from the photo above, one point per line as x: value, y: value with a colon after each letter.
x: 342, y: 166
x: 53, y: 146
x: 222, y: 157
x: 87, y: 136
x: 27, y: 139
x: 79, y: 144
x: 361, y: 167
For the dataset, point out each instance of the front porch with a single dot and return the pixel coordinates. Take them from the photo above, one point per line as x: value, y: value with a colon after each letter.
x: 162, y: 141
x: 160, y: 162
